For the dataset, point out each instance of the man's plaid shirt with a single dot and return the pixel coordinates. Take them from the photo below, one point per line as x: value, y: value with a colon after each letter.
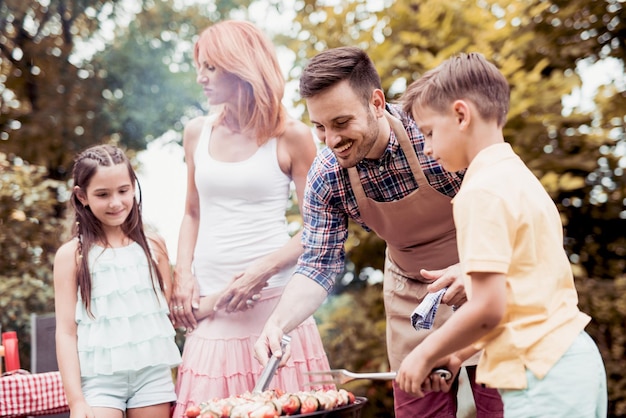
x: 329, y: 201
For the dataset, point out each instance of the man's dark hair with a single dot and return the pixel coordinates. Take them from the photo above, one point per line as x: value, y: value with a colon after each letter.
x: 335, y: 65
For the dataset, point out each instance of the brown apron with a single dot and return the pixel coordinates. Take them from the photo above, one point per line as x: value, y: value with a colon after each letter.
x: 420, y: 234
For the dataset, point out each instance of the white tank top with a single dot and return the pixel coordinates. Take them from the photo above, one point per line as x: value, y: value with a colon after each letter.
x: 242, y: 213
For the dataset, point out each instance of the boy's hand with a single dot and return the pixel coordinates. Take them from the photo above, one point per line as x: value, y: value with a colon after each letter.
x: 417, y: 374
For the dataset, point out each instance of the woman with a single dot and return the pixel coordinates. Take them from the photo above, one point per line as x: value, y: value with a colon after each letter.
x: 234, y: 251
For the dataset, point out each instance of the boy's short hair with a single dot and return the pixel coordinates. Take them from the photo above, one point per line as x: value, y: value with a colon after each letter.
x: 464, y: 76
x: 335, y: 65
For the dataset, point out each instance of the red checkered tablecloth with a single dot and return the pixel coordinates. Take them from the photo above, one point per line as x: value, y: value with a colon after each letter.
x: 32, y: 394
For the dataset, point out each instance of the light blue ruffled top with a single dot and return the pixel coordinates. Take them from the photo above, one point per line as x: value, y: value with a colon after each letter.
x: 130, y: 329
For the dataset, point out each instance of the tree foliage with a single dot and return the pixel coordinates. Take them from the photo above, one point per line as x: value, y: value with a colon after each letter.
x: 45, y: 97
x: 29, y: 236
x: 149, y: 76
x: 605, y: 302
x: 352, y: 325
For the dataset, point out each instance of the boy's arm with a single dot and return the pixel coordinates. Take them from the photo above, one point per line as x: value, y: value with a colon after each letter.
x: 472, y: 321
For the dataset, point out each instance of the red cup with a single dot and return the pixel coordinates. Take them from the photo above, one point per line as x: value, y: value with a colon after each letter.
x: 11, y: 352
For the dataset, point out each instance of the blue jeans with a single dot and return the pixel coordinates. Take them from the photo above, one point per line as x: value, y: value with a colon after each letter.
x: 575, y: 387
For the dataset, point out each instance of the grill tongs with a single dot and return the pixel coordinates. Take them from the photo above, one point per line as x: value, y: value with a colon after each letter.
x: 270, y: 368
x: 341, y: 376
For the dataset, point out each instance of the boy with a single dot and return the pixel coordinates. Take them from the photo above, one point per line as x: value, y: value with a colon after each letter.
x: 522, y: 303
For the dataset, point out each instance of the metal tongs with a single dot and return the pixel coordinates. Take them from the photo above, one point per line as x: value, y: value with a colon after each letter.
x: 270, y: 368
x: 341, y: 376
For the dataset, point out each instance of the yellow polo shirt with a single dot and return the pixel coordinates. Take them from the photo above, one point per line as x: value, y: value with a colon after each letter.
x: 507, y: 223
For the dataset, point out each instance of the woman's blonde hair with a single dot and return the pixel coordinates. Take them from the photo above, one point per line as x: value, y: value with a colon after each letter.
x: 241, y: 49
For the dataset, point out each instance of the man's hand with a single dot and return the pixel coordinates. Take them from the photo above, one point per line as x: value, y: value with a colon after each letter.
x: 435, y: 383
x: 450, y: 277
x: 268, y: 344
x: 301, y: 297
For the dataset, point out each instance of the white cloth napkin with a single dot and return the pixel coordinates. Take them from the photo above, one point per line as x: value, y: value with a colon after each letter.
x: 423, y: 316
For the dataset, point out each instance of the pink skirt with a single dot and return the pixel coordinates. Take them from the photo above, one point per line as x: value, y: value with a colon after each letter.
x: 218, y: 356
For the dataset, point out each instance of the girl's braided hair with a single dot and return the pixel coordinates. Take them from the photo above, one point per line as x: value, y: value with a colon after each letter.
x: 88, y: 229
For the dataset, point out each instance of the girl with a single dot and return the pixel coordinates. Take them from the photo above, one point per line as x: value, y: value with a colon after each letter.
x: 115, y: 343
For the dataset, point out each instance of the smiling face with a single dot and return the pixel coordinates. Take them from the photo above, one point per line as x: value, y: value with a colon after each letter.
x: 348, y: 127
x: 110, y: 195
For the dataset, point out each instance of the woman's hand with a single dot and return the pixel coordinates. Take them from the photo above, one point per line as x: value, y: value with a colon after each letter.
x: 186, y: 296
x: 245, y: 288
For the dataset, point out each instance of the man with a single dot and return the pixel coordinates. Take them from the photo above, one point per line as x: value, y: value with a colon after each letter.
x: 374, y: 171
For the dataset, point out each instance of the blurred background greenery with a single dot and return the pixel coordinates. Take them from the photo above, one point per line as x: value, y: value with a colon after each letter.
x: 74, y: 73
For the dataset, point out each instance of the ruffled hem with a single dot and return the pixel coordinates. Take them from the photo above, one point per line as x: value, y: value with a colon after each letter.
x: 118, y: 270
x: 221, y: 364
x: 139, y: 301
x: 119, y: 332
x: 157, y: 351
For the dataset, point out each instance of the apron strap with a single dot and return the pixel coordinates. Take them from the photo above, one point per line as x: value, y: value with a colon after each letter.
x: 407, y: 148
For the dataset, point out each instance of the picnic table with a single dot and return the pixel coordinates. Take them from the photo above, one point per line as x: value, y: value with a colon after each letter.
x: 24, y: 394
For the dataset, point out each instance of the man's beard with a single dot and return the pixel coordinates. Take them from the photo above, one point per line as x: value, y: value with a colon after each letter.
x: 364, y: 146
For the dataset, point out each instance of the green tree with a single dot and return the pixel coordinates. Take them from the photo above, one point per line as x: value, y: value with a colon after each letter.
x: 47, y: 97
x: 357, y: 342
x: 149, y: 76
x: 29, y: 233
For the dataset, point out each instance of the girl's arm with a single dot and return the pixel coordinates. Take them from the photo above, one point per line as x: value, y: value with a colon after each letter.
x: 65, y: 299
x: 296, y: 151
x: 159, y: 247
x: 186, y: 293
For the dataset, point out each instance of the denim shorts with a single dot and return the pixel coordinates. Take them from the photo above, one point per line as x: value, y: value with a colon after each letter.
x: 130, y: 389
x: 575, y: 387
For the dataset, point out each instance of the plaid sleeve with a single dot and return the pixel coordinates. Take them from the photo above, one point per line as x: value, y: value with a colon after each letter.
x: 325, y: 231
